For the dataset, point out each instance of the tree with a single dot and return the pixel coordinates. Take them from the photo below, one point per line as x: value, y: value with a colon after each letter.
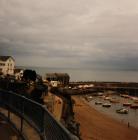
x: 29, y: 75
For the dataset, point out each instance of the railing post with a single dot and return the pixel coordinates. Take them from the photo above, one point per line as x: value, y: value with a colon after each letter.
x: 42, y: 135
x: 9, y: 101
x: 21, y: 129
x: 8, y: 114
x: 22, y: 107
x: 44, y: 124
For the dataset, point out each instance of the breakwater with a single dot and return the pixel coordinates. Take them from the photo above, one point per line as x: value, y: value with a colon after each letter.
x: 119, y: 87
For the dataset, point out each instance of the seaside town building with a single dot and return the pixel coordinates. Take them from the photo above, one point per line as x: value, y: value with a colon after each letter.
x: 7, y: 65
x: 18, y: 73
x: 58, y: 78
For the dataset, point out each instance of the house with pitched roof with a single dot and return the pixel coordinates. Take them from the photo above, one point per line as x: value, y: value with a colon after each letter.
x: 7, y: 64
x: 58, y: 79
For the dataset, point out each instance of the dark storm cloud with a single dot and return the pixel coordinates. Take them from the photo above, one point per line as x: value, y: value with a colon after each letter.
x: 76, y: 33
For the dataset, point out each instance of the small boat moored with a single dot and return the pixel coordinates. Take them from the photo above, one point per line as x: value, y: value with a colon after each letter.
x: 106, y: 105
x: 98, y: 103
x: 136, y: 101
x: 114, y: 101
x: 88, y: 98
x: 107, y: 98
x: 127, y: 104
x: 124, y: 95
x: 134, y: 106
x: 122, y: 111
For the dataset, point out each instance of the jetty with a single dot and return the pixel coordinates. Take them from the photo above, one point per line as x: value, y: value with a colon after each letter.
x: 128, y: 88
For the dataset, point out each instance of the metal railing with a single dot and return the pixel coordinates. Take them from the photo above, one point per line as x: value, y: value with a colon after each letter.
x: 36, y: 115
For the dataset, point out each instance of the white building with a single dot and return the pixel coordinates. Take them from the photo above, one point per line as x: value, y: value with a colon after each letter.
x: 18, y: 73
x: 7, y: 64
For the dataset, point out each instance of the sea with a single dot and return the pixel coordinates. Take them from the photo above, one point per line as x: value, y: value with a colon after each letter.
x: 83, y: 74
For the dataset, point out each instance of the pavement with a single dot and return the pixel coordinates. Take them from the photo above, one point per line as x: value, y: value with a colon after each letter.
x: 6, y: 132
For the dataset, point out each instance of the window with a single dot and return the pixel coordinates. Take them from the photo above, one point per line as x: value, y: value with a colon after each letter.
x: 2, y: 64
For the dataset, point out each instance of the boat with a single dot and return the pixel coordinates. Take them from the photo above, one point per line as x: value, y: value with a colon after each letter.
x: 127, y: 104
x: 125, y: 96
x: 107, y: 98
x: 134, y: 98
x: 114, y: 101
x: 106, y: 105
x: 122, y: 111
x: 100, y: 94
x: 88, y: 98
x: 136, y: 101
x: 98, y: 103
x: 134, y: 106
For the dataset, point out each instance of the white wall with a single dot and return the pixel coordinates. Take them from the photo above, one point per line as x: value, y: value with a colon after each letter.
x: 8, y: 67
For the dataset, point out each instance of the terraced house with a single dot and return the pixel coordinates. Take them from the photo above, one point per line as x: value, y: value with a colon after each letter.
x: 7, y: 64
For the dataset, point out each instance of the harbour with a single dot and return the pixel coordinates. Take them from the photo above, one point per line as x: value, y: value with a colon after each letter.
x: 130, y: 118
x: 101, y: 125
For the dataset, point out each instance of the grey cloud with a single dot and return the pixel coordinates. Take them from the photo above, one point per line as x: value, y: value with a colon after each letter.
x: 81, y: 32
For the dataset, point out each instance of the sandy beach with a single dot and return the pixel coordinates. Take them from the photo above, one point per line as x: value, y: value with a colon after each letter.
x: 98, y: 126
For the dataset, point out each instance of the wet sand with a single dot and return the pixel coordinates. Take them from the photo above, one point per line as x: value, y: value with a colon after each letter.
x: 98, y: 126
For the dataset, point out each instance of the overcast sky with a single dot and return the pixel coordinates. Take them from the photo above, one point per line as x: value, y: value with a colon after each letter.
x: 70, y: 33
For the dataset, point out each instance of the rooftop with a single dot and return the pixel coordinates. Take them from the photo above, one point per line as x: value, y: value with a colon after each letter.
x: 5, y: 58
x: 57, y: 75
